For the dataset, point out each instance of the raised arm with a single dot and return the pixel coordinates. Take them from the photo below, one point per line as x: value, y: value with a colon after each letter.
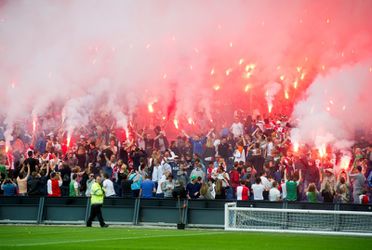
x: 244, y: 141
x: 184, y: 133
x: 158, y: 136
x: 255, y: 131
x: 127, y: 148
x: 23, y: 168
x: 210, y: 132
x: 285, y: 174
x: 48, y: 169
x: 107, y: 159
x: 138, y: 134
x: 28, y: 171
x: 60, y: 180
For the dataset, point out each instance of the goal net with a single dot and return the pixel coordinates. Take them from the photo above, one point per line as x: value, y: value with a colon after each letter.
x: 297, y: 220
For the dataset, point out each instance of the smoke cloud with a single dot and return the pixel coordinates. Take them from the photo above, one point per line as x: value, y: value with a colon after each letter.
x: 335, y: 107
x: 191, y: 56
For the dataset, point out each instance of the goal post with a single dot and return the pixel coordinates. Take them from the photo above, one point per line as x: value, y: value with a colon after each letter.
x: 297, y: 221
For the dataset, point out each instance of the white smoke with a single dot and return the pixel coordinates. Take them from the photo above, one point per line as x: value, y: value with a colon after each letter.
x: 334, y: 107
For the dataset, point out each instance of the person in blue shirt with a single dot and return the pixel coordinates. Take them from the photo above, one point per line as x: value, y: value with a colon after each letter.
x: 136, y: 179
x: 9, y: 188
x: 147, y: 188
x: 193, y: 188
x: 197, y: 142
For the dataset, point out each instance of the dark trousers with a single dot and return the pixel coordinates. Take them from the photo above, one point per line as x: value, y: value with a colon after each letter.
x: 65, y: 191
x: 95, y: 210
x: 135, y: 193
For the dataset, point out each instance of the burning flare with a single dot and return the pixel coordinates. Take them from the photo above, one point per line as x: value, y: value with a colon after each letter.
x: 216, y: 87
x: 270, y: 107
x: 286, y: 94
x: 296, y: 146
x: 150, y: 107
x: 322, y: 150
x: 190, y: 121
x: 34, y: 125
x: 345, y: 162
x: 175, y: 122
x: 68, y: 140
x: 247, y: 87
x: 295, y: 84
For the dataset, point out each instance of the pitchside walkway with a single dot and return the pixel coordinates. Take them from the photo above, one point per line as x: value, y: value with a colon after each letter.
x: 193, y: 213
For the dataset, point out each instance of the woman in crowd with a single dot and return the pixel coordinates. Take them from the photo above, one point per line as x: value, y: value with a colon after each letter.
x: 312, y: 193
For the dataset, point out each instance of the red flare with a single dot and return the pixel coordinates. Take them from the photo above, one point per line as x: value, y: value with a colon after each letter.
x: 322, y: 150
x: 175, y: 122
x: 34, y: 126
x: 270, y: 107
x: 150, y: 107
x: 286, y: 94
x: 68, y: 140
x: 296, y: 147
x: 345, y: 162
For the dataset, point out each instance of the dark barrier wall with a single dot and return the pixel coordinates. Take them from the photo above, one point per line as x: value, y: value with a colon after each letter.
x: 193, y: 213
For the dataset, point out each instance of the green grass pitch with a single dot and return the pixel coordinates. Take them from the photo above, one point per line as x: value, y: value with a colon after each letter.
x: 75, y: 237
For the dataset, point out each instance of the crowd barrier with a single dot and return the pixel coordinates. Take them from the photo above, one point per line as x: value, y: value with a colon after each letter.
x: 123, y: 211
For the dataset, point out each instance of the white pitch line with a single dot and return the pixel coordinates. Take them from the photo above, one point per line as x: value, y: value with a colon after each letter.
x: 103, y: 239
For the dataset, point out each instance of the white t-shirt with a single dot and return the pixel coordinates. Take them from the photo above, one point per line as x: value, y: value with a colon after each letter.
x: 155, y: 174
x: 274, y: 194
x: 108, y: 187
x: 239, y: 156
x: 213, y: 190
x: 164, y: 167
x: 265, y: 182
x: 162, y: 144
x: 237, y: 129
x: 270, y: 147
x: 258, y: 191
x: 284, y: 190
x: 161, y: 180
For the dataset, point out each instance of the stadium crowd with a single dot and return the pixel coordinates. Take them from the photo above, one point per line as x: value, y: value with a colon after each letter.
x: 253, y: 158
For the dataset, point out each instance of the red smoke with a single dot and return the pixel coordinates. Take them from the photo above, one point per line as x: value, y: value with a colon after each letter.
x: 196, y: 58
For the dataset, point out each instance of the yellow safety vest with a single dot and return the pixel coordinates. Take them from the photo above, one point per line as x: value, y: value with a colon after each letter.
x: 97, y: 194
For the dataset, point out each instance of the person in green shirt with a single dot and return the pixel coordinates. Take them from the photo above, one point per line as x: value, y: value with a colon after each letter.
x: 96, y: 201
x: 291, y: 186
x: 312, y: 193
x: 3, y: 170
x: 74, y: 186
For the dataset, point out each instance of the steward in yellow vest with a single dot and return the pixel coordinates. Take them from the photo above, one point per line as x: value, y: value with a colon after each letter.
x: 96, y: 201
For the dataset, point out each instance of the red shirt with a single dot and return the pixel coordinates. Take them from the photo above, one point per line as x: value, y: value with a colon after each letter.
x: 56, y: 191
x: 234, y: 178
x: 242, y: 193
x: 209, y: 172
